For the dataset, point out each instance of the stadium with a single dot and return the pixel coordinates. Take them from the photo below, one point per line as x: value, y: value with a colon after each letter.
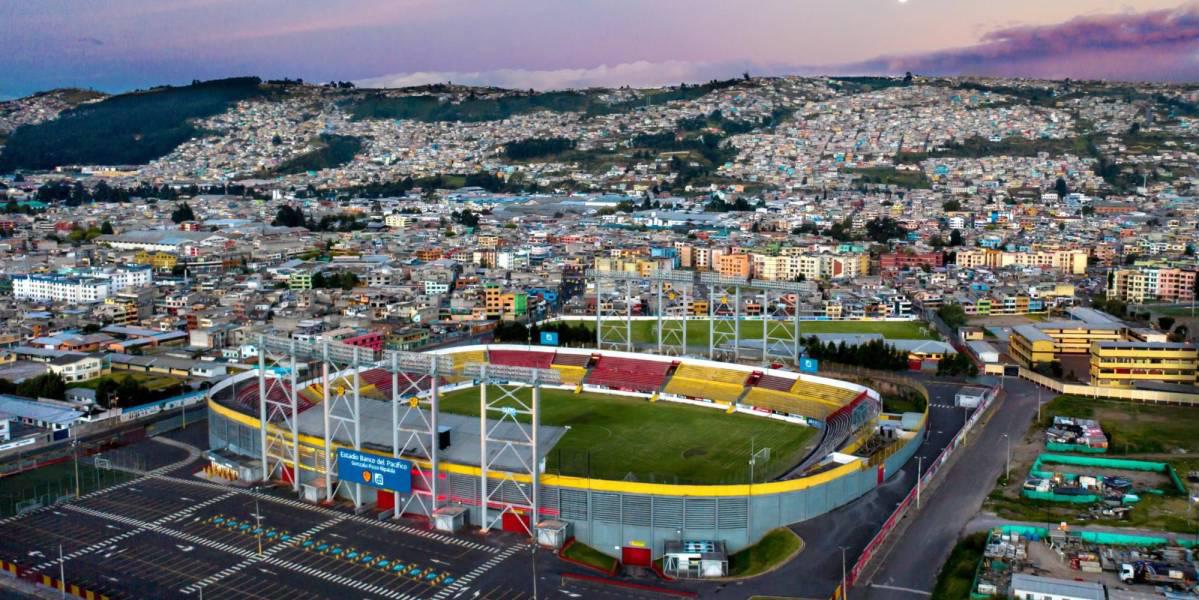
x: 622, y: 451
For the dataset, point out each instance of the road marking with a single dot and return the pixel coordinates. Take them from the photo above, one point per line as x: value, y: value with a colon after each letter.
x: 901, y: 589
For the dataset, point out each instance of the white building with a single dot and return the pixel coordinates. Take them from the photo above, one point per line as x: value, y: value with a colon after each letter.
x: 60, y: 288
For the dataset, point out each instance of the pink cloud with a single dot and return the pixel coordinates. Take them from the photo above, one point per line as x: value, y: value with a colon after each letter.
x: 1155, y: 45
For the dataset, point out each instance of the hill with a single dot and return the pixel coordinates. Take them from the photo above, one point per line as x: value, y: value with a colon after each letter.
x: 130, y: 128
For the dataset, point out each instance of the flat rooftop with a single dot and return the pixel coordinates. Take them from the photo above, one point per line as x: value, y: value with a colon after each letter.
x: 464, y: 433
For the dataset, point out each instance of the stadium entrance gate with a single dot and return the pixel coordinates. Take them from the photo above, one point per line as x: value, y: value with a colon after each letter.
x: 636, y: 557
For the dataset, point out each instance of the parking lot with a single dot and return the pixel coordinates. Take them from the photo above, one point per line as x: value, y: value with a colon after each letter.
x: 178, y: 537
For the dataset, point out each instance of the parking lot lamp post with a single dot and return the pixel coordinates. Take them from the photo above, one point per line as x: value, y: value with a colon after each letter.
x: 258, y: 521
x: 62, y: 573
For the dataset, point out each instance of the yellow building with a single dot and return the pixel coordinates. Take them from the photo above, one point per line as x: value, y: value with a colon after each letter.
x: 160, y: 261
x: 1029, y: 346
x: 1123, y: 364
x: 1032, y: 344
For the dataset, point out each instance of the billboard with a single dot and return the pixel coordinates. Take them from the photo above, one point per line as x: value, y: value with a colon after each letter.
x: 383, y: 472
x: 549, y: 338
x: 809, y: 365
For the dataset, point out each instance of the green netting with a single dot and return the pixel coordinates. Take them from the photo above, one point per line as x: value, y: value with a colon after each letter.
x: 1106, y: 538
x: 1059, y: 447
x: 1026, y: 530
x: 1102, y: 463
x: 1052, y: 497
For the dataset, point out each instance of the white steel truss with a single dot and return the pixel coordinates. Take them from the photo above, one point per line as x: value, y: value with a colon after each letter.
x: 503, y: 437
x: 780, y: 320
x: 674, y: 306
x: 724, y: 315
x: 415, y: 410
x: 277, y: 403
x: 341, y: 413
x: 613, y: 330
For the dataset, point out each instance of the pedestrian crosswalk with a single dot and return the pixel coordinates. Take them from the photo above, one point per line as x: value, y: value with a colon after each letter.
x: 478, y: 571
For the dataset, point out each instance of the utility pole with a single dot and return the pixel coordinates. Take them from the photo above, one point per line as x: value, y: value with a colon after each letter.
x: 844, y: 588
x: 1007, y: 473
x: 919, y: 478
x: 75, y: 453
x: 533, y: 556
x: 62, y: 573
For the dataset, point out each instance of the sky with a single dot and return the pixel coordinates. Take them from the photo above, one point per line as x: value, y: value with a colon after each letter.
x: 116, y: 45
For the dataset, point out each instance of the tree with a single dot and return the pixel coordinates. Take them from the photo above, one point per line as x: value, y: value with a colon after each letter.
x: 183, y: 212
x: 288, y: 216
x: 951, y: 206
x: 884, y: 229
x: 1165, y: 323
x: 955, y: 238
x: 106, y: 228
x: 1061, y: 188
x: 953, y: 315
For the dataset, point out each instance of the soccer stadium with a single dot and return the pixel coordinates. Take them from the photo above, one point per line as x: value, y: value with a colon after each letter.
x: 621, y: 451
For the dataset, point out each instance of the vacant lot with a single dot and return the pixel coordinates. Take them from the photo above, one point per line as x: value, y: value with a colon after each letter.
x: 613, y: 437
x: 152, y: 381
x: 1137, y: 431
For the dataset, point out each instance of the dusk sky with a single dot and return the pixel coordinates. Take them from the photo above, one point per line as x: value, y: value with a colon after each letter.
x: 116, y: 45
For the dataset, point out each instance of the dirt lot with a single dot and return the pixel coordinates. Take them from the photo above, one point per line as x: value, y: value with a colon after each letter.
x: 1139, y: 432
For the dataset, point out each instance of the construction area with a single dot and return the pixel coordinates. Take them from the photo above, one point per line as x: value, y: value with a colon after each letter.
x: 1021, y: 560
x: 1109, y: 463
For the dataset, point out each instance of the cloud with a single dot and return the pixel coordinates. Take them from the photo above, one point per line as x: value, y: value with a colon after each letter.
x: 91, y: 41
x: 1154, y: 45
x: 635, y: 74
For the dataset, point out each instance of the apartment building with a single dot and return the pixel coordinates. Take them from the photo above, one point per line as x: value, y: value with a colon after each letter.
x: 1124, y: 364
x: 1138, y: 286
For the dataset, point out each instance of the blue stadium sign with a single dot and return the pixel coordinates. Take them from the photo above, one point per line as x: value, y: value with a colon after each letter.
x: 549, y: 338
x: 381, y: 472
x: 809, y: 365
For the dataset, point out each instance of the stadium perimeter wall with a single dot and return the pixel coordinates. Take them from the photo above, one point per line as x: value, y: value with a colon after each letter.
x: 609, y: 515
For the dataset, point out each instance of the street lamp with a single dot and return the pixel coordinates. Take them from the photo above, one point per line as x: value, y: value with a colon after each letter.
x: 258, y: 521
x: 1007, y: 473
x: 919, y: 477
x: 844, y: 588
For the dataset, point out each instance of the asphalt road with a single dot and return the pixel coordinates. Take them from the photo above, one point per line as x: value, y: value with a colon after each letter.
x: 909, y: 570
x: 816, y: 572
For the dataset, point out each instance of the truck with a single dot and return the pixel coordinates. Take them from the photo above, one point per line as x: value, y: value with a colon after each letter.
x: 1143, y: 571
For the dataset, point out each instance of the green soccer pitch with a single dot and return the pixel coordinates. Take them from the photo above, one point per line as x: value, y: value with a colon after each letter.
x: 617, y: 437
x: 645, y: 330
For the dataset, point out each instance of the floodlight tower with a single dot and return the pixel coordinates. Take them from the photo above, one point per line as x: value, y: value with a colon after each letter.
x: 277, y: 404
x: 415, y: 410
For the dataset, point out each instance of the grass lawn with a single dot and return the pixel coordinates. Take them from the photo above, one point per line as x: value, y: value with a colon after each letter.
x: 614, y: 437
x: 773, y: 549
x: 957, y: 574
x: 52, y: 481
x: 152, y: 381
x: 1132, y: 428
x: 645, y: 331
x: 590, y: 556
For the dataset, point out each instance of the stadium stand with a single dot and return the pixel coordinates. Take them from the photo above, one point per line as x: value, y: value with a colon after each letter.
x: 815, y: 392
x: 522, y: 358
x: 247, y: 397
x: 718, y: 385
x: 775, y: 382
x: 628, y: 374
x: 571, y: 367
x: 571, y: 360
x: 785, y: 402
